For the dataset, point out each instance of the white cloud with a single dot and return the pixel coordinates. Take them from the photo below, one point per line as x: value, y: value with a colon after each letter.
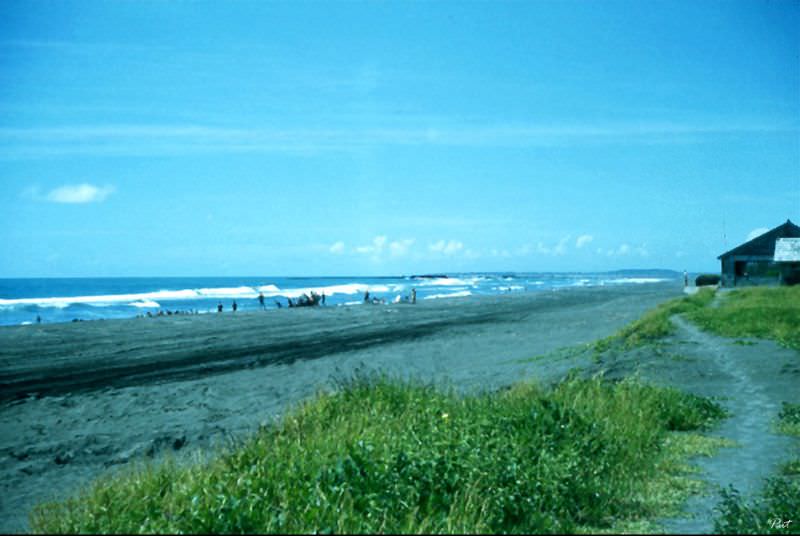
x: 193, y: 138
x: 398, y: 248
x: 79, y: 193
x: 437, y: 246
x: 523, y: 250
x: 450, y: 247
x: 470, y: 254
x: 623, y: 249
x: 376, y: 248
x: 756, y: 232
x: 583, y: 240
x: 337, y: 248
x: 561, y: 247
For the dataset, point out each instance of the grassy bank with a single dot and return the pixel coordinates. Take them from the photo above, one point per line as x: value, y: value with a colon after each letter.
x: 388, y: 456
x: 655, y: 323
x: 766, y: 313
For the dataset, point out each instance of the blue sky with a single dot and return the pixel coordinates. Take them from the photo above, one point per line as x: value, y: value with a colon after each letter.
x: 324, y: 138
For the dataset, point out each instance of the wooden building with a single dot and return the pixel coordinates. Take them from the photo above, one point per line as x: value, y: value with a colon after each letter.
x: 753, y: 263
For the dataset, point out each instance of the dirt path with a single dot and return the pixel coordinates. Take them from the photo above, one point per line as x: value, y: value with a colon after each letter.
x: 752, y: 379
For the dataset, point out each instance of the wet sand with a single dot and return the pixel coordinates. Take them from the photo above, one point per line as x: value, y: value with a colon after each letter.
x: 80, y: 399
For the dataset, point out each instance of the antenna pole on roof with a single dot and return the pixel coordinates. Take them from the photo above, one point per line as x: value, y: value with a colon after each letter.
x: 724, y: 234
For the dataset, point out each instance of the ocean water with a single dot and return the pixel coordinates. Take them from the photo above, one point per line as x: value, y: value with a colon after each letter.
x: 65, y: 300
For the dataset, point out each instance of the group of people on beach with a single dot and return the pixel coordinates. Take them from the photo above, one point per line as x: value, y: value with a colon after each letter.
x: 304, y: 300
x: 308, y: 301
x: 411, y: 298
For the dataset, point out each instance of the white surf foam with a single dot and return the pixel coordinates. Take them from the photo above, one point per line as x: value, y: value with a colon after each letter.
x: 449, y: 282
x: 234, y: 292
x: 460, y: 294
x: 105, y: 300
x: 268, y: 288
x: 151, y: 299
x: 144, y: 303
x: 509, y: 288
x: 635, y: 280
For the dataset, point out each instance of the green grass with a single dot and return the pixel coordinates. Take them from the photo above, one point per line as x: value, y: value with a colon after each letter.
x: 779, y: 499
x: 388, y: 456
x: 789, y: 419
x: 761, y: 312
x: 655, y: 324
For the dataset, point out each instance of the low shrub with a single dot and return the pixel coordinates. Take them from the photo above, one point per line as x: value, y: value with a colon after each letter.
x: 774, y: 511
x: 706, y: 279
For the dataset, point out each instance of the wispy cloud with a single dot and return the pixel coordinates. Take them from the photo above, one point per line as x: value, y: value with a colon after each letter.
x: 337, y: 248
x: 450, y: 247
x: 623, y: 250
x: 71, y: 194
x: 136, y: 139
x: 375, y: 249
x: 560, y: 248
x: 583, y: 240
x: 379, y: 248
x: 756, y: 232
x: 400, y: 248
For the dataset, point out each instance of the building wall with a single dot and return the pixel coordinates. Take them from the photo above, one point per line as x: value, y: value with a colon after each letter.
x: 790, y: 273
x: 747, y: 270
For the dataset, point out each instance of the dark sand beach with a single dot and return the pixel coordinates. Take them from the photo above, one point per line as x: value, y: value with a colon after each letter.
x: 88, y: 397
x: 82, y: 399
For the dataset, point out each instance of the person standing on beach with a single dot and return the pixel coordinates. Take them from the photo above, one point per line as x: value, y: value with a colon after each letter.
x: 413, y: 295
x: 261, y: 300
x: 219, y: 307
x: 234, y: 306
x: 685, y: 279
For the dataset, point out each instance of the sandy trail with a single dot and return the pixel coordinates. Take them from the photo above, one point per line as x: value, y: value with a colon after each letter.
x: 754, y: 382
x: 111, y: 392
x: 751, y: 379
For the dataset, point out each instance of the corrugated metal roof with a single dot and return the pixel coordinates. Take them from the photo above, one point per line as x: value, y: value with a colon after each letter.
x: 787, y: 250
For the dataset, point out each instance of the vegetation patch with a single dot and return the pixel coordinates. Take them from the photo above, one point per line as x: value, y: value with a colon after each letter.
x: 765, y: 313
x: 655, y: 324
x: 382, y: 455
x: 789, y: 419
x: 776, y: 510
x: 706, y: 279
